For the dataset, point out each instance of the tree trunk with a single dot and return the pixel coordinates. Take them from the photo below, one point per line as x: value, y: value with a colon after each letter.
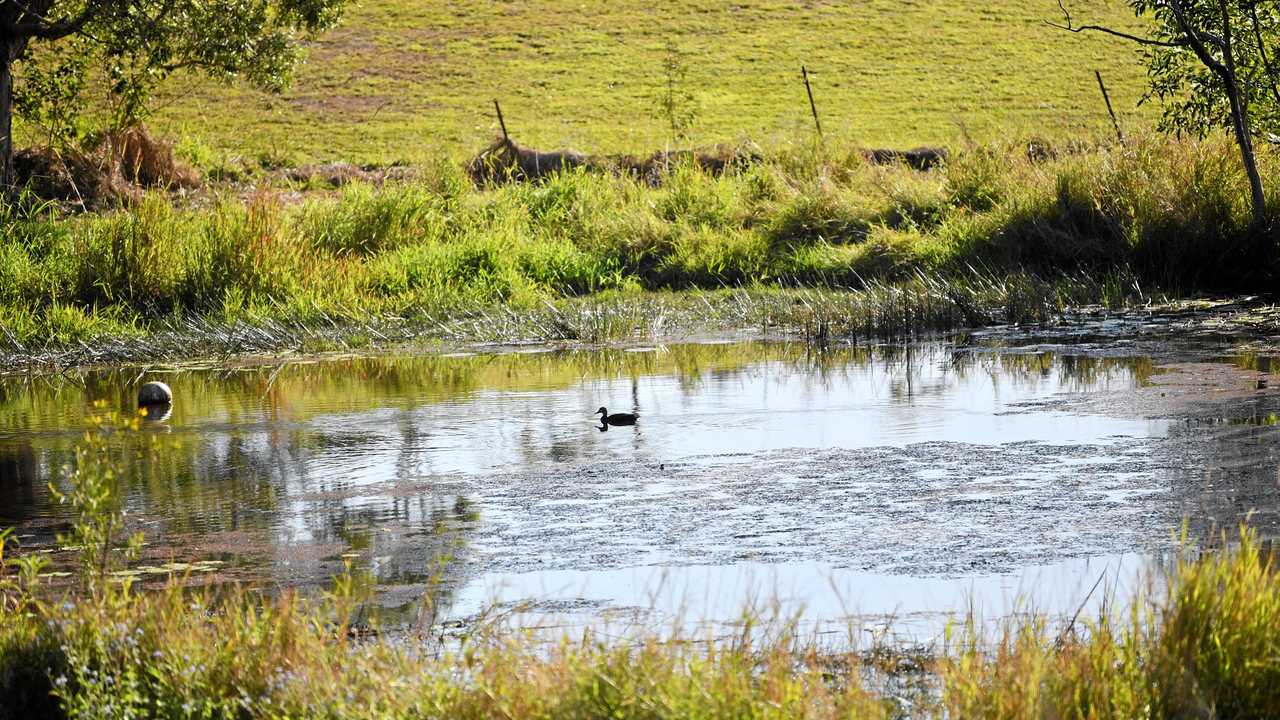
x: 1240, y: 118
x: 6, y: 122
x: 1241, y: 126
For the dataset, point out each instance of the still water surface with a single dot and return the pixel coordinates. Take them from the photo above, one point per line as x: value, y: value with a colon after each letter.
x: 906, y: 482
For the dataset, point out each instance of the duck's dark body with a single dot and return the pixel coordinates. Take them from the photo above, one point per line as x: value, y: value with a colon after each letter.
x: 616, y: 418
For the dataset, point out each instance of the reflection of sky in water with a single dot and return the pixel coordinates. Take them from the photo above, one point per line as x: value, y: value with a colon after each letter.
x: 915, y: 609
x: 312, y: 455
x: 761, y: 407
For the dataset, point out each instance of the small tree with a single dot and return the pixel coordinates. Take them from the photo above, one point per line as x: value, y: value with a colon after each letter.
x: 1209, y: 63
x: 677, y: 105
x: 132, y: 45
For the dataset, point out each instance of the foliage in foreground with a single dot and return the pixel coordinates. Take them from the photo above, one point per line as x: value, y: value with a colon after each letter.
x: 1201, y: 644
x: 127, y: 49
x: 1172, y: 214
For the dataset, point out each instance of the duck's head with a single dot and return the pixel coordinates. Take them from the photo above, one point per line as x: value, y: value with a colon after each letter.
x: 602, y: 411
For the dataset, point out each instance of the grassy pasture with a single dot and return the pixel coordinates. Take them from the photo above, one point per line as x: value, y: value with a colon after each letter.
x: 413, y: 79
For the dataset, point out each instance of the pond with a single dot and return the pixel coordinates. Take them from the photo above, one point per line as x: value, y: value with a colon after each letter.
x: 885, y: 485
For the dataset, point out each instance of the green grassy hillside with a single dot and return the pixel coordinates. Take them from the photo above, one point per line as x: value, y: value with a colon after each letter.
x: 413, y: 79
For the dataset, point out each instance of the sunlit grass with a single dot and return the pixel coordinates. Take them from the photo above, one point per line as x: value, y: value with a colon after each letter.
x: 988, y: 238
x: 175, y: 654
x: 1202, y: 645
x: 414, y: 81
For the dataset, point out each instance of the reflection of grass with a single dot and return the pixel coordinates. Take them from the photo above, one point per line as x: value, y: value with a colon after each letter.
x: 217, y: 482
x: 1202, y: 645
x: 186, y: 475
x: 298, y: 391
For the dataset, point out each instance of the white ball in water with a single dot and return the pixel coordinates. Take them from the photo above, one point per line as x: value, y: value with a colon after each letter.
x: 154, y: 393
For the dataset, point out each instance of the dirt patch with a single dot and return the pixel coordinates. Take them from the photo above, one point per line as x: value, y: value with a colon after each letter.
x: 921, y: 158
x: 1223, y: 452
x: 505, y: 161
x: 1189, y: 391
x: 338, y: 174
x: 1205, y: 390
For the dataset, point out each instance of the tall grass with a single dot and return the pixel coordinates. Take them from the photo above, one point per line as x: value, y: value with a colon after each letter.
x: 1171, y: 214
x: 1202, y: 645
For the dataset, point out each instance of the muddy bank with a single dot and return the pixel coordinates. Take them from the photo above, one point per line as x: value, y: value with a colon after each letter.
x: 1233, y: 325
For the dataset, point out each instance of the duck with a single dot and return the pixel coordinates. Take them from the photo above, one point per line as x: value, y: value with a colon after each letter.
x: 616, y: 418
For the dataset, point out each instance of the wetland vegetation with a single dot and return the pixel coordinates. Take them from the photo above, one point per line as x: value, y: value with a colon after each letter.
x: 1037, y: 207
x: 327, y: 206
x: 992, y: 237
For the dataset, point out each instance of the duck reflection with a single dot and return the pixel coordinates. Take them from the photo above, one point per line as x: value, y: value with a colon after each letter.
x: 156, y: 413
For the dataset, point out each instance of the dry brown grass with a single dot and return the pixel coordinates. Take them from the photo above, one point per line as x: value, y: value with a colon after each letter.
x: 110, y: 169
x: 145, y: 159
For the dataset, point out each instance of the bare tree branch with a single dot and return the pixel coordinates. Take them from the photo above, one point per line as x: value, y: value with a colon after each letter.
x: 1071, y: 27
